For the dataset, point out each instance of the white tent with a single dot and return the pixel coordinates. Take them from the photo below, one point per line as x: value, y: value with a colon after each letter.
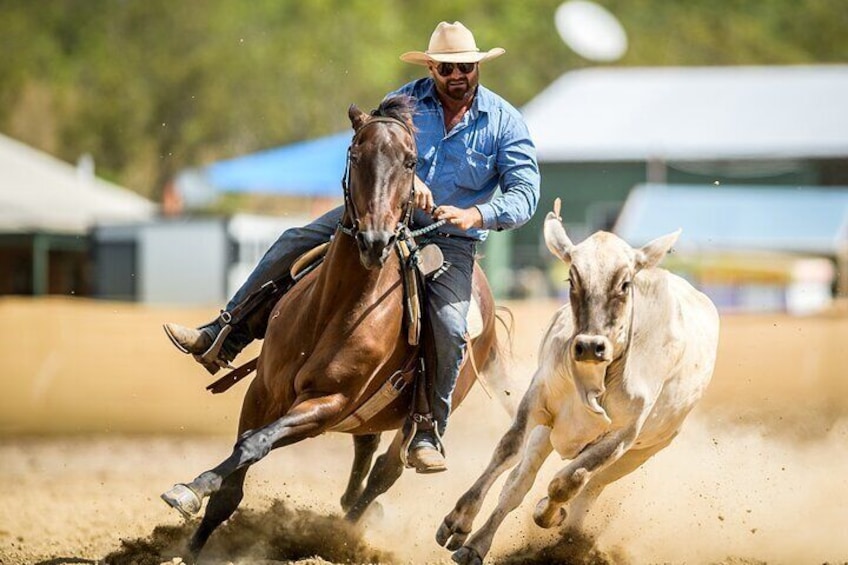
x: 692, y: 113
x: 39, y: 193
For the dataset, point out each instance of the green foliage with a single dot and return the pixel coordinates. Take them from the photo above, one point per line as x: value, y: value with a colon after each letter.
x: 150, y: 87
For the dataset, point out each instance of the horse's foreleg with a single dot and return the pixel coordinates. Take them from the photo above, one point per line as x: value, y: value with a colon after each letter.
x: 306, y: 419
x: 221, y: 506
x: 386, y: 471
x: 364, y: 448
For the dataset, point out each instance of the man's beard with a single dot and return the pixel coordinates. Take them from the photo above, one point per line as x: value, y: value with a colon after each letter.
x: 460, y: 90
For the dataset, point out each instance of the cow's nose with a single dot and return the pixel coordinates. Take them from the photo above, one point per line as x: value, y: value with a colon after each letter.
x: 591, y: 348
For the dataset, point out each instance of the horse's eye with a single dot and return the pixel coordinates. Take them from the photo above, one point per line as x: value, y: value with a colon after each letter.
x: 354, y: 159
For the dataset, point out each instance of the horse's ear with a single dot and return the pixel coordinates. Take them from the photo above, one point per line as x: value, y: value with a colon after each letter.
x: 357, y: 117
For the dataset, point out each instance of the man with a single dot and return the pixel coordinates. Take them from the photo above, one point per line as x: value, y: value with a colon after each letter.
x: 470, y: 141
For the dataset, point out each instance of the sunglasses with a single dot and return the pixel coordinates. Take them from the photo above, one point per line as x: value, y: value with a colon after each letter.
x: 446, y: 69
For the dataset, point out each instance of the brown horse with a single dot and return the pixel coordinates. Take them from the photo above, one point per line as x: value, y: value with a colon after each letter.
x: 336, y: 337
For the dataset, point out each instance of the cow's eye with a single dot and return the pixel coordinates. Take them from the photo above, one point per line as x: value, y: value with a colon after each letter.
x: 625, y: 287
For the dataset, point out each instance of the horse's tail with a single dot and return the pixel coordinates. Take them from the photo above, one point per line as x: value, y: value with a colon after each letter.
x: 498, y: 371
x: 501, y: 314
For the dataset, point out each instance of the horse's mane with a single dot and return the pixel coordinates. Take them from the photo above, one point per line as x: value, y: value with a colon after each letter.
x: 400, y: 107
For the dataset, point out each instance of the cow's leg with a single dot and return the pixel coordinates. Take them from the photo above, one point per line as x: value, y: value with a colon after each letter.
x: 306, y: 419
x: 567, y: 483
x: 387, y: 469
x: 514, y: 490
x: 364, y: 447
x: 579, y: 507
x: 458, y: 523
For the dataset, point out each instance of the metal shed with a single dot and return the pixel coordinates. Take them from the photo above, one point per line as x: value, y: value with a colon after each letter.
x: 47, y: 207
x: 601, y: 131
x: 790, y: 242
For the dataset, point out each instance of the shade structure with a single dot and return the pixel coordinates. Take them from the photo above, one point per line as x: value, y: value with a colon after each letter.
x: 812, y: 220
x: 308, y: 168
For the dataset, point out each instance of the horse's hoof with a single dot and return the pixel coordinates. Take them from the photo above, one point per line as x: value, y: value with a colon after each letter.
x: 374, y: 512
x: 467, y: 556
x: 183, y: 499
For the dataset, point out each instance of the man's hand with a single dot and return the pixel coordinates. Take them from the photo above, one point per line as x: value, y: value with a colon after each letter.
x: 423, y: 196
x: 463, y: 218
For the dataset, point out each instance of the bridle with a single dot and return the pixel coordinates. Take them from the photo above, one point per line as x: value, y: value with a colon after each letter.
x: 350, y: 209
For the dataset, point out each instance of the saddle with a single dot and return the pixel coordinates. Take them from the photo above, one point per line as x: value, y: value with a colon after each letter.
x: 417, y: 264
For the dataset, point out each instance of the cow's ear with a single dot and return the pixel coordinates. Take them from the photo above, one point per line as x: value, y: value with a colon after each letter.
x: 655, y: 251
x: 357, y: 117
x: 555, y: 236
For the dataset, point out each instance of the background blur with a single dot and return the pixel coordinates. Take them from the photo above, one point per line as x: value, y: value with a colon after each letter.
x: 228, y: 122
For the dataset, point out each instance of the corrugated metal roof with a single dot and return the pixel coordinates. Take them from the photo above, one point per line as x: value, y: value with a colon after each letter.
x: 41, y: 193
x: 694, y: 113
x: 805, y: 220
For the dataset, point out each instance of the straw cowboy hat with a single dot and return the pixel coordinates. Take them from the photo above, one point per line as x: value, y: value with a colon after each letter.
x: 451, y: 43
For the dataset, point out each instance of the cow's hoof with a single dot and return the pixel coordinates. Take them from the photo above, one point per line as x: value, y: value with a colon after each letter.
x: 443, y: 534
x: 548, y: 516
x: 467, y: 556
x: 183, y: 499
x: 449, y: 537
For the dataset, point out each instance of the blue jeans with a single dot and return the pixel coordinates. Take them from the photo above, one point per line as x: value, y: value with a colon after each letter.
x: 448, y: 298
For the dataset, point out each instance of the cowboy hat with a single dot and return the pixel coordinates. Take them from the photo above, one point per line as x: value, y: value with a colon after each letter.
x: 451, y: 43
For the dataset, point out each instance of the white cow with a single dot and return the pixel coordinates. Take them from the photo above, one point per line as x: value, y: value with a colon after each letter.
x: 620, y: 367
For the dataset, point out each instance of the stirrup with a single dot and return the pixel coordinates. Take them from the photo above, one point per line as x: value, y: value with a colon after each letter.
x: 211, y: 355
x: 417, y: 419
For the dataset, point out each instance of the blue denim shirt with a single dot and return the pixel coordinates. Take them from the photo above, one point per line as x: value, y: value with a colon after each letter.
x: 490, y: 147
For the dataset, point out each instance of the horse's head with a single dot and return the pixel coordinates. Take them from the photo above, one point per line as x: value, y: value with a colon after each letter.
x: 380, y: 177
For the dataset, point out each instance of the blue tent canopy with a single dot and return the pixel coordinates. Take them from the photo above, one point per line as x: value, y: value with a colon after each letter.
x: 308, y: 168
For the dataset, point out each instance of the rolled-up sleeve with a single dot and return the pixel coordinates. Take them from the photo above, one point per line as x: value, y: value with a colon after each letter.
x: 519, y: 178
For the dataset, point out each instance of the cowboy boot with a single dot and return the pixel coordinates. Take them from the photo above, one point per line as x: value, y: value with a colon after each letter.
x: 221, y: 340
x: 214, y: 345
x: 426, y: 454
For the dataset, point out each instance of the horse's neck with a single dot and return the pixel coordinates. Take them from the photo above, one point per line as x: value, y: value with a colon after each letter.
x: 344, y: 283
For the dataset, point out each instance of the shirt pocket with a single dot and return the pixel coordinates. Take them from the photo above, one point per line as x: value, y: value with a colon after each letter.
x: 475, y: 170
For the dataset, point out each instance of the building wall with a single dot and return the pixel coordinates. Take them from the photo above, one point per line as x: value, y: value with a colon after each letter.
x: 184, y: 263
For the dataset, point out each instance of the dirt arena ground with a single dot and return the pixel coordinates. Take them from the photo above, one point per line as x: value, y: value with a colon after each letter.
x: 98, y: 416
